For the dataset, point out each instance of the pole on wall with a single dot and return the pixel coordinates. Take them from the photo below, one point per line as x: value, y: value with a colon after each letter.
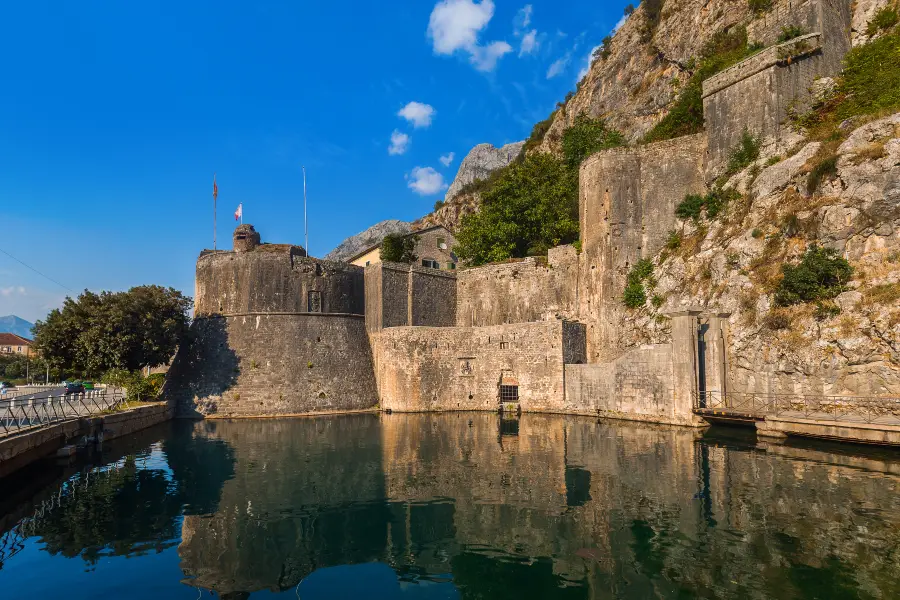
x: 305, y: 222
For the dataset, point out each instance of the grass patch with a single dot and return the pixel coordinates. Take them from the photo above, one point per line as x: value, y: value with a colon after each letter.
x: 885, y: 18
x: 744, y: 153
x: 826, y: 168
x: 635, y: 296
x: 790, y: 32
x: 713, y: 203
x: 868, y: 86
x: 673, y: 241
x: 885, y: 294
x: 760, y: 6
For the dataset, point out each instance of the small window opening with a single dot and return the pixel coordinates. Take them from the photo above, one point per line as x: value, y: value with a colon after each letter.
x: 504, y: 345
x: 509, y: 393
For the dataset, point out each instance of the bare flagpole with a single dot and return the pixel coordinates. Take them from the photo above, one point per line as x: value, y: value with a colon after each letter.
x: 305, y: 222
x: 215, y: 196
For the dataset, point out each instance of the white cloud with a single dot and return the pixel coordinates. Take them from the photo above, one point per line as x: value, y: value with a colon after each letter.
x: 399, y: 143
x: 529, y: 43
x: 454, y: 26
x: 559, y: 66
x: 14, y: 289
x: 485, y: 57
x: 418, y: 114
x: 447, y: 159
x: 425, y: 181
x: 523, y: 18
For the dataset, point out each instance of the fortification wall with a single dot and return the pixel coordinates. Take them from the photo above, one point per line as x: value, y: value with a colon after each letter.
x: 519, y: 292
x: 628, y: 201
x: 273, y: 365
x: 655, y: 383
x: 400, y: 295
x: 276, y: 278
x: 460, y: 368
x: 759, y: 93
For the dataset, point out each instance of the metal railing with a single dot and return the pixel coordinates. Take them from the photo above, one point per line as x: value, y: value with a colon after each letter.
x: 46, y: 408
x: 859, y: 409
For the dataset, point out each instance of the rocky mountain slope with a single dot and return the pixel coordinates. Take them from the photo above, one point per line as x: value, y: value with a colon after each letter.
x: 365, y: 239
x: 16, y: 325
x: 480, y: 162
x: 734, y: 264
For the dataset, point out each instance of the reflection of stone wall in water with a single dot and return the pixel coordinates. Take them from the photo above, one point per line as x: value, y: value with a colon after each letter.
x: 448, y: 493
x: 307, y: 494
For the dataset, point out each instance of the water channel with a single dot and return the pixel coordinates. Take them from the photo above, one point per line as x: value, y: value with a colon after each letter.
x: 450, y: 506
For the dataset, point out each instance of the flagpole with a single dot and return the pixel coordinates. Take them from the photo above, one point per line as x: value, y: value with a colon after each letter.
x: 215, y: 199
x: 305, y: 222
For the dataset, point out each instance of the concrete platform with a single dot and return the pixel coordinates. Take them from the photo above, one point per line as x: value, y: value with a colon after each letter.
x: 846, y: 430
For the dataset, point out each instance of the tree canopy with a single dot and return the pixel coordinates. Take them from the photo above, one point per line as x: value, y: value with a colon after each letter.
x: 531, y: 207
x: 114, y: 330
x: 399, y: 248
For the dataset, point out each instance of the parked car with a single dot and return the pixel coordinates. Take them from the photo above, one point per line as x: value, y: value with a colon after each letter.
x: 74, y: 387
x: 88, y: 385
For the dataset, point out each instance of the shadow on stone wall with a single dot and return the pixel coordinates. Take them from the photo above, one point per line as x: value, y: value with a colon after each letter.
x: 204, y: 369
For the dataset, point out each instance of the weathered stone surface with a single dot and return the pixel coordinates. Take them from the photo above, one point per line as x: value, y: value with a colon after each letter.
x: 461, y: 368
x: 776, y: 177
x: 407, y: 295
x: 267, y: 365
x: 520, y: 291
x: 480, y: 162
x: 275, y: 278
x: 368, y: 238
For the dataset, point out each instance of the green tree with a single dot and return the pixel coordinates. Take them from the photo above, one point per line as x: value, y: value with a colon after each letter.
x: 114, y: 330
x: 530, y: 208
x: 587, y: 136
x: 399, y: 248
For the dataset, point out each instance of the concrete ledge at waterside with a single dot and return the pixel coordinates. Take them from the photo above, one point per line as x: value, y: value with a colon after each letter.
x: 18, y: 450
x: 846, y: 431
x: 771, y: 56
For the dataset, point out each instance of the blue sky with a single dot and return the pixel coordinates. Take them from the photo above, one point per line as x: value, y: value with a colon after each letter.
x: 115, y: 115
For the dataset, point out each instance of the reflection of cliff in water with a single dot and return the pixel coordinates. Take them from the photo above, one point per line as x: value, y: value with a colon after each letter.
x: 567, y: 508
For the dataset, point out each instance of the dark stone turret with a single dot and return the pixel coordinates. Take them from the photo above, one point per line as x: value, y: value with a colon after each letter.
x: 246, y: 238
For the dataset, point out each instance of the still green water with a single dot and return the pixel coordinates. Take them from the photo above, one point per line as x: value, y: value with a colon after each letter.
x: 453, y: 506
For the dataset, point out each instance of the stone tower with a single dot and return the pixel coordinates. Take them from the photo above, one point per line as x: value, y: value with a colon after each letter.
x: 246, y: 238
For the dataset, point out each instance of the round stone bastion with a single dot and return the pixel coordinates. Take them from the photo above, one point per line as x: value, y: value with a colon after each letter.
x: 275, y: 332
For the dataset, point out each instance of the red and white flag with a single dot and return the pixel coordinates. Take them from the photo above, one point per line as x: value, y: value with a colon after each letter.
x: 239, y: 212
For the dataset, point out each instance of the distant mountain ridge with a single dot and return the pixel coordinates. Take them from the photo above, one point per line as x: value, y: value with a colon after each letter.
x: 366, y: 239
x: 16, y: 325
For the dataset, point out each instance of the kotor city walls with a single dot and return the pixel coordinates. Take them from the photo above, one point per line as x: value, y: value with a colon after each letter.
x: 277, y: 332
x: 274, y: 333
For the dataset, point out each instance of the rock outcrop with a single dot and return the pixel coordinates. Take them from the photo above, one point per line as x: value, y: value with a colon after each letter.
x: 368, y: 238
x: 480, y: 162
x: 733, y: 265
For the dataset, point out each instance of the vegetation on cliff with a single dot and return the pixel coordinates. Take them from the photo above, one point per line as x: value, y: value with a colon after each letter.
x: 821, y: 275
x: 114, y: 330
x: 531, y: 205
x: 685, y: 116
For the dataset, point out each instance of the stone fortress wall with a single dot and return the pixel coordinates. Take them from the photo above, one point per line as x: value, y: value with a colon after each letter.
x: 276, y: 324
x: 759, y: 93
x: 274, y: 333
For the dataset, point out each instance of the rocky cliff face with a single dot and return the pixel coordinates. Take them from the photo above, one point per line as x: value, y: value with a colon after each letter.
x: 646, y: 66
x: 365, y: 239
x: 480, y: 162
x: 733, y: 264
